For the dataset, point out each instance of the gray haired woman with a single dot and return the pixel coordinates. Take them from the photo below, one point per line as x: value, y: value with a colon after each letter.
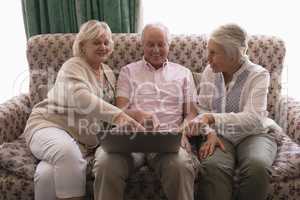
x: 232, y: 106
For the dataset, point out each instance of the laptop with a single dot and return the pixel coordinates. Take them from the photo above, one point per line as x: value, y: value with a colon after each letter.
x: 113, y: 141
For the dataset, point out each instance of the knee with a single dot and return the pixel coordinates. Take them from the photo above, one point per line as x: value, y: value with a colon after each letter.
x: 214, y: 168
x: 103, y: 164
x: 181, y: 166
x: 70, y: 155
x: 254, y: 169
x: 209, y: 168
x: 109, y: 165
x: 178, y: 166
x: 44, y: 173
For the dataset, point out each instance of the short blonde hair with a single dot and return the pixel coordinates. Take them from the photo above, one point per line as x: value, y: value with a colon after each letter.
x: 233, y: 38
x: 89, y: 31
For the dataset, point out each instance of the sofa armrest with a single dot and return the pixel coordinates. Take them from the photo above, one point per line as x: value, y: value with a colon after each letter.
x: 13, y: 116
x: 288, y: 117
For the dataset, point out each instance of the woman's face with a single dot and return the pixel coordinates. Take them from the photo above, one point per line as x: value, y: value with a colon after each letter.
x: 97, y: 50
x: 218, y: 59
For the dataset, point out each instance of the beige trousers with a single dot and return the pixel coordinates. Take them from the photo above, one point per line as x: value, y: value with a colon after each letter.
x: 176, y: 171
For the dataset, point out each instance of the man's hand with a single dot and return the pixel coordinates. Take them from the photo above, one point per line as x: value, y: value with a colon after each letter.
x: 189, y: 128
x: 208, y: 148
x: 193, y: 128
x: 198, y: 125
x: 125, y: 121
x: 147, y: 119
x: 185, y: 143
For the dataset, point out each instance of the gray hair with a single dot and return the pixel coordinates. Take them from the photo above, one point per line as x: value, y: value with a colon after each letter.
x: 89, y: 31
x: 233, y: 38
x: 159, y: 26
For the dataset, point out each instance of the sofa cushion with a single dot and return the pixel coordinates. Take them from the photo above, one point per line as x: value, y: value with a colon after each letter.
x: 16, y: 158
x: 287, y: 161
x: 15, y: 188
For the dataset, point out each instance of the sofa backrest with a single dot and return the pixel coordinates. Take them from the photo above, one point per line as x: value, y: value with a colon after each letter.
x: 46, y: 53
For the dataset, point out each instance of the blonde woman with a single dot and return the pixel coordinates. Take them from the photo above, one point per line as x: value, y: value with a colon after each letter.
x: 62, y: 128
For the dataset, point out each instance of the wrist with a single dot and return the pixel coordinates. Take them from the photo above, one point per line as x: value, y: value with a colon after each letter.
x: 207, y: 130
x: 119, y: 118
x: 208, y: 118
x: 211, y: 134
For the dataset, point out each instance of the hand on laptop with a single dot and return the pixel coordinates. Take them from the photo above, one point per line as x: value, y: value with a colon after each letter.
x: 125, y: 122
x: 151, y: 123
x: 147, y: 119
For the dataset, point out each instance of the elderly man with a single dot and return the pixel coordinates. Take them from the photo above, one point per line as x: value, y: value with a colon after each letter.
x: 164, y: 92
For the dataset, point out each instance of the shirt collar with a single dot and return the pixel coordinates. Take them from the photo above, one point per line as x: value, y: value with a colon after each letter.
x: 151, y: 68
x: 242, y: 68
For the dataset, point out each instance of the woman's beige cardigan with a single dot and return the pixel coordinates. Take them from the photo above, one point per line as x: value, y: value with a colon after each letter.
x: 74, y: 104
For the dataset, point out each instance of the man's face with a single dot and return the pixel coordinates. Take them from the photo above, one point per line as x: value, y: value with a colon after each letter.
x: 156, y: 47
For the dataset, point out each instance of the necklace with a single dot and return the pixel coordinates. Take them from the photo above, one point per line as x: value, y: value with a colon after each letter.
x: 97, y: 71
x: 100, y: 77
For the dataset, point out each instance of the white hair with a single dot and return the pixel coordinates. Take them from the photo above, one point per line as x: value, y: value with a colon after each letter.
x: 88, y: 31
x: 233, y: 38
x: 159, y: 26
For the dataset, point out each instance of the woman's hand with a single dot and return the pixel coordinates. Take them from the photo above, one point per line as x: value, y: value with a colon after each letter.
x: 208, y: 148
x: 208, y: 118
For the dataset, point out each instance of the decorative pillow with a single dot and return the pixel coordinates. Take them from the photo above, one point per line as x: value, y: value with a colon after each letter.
x: 16, y: 158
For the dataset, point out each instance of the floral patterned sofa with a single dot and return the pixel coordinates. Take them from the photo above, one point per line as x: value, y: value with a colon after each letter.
x: 46, y: 54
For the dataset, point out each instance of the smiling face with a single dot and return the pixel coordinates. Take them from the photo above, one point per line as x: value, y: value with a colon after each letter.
x: 218, y: 59
x: 97, y: 50
x: 156, y: 47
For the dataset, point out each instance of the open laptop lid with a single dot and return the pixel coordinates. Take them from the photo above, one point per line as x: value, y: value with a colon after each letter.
x: 113, y: 141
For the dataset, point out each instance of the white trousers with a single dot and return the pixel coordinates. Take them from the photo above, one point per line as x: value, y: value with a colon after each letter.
x: 62, y: 170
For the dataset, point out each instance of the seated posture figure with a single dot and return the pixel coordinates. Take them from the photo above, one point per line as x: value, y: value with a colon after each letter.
x: 163, y: 93
x: 233, y: 102
x: 60, y: 129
